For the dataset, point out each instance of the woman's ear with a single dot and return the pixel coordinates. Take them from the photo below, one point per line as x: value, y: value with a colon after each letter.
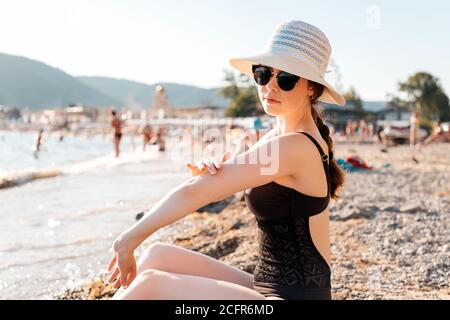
x: 310, y: 91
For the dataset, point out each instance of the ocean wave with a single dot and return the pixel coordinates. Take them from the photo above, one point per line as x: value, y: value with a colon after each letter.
x: 50, y: 260
x: 21, y: 247
x: 17, y: 178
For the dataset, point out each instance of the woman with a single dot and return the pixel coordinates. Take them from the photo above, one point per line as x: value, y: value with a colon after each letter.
x: 288, y: 182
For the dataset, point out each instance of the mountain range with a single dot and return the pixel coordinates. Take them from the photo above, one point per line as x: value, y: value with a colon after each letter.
x: 29, y: 83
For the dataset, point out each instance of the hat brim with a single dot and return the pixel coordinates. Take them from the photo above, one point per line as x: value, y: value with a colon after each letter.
x: 291, y: 65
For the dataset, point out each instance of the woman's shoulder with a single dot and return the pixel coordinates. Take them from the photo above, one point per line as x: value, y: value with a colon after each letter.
x: 299, y: 145
x: 290, y: 143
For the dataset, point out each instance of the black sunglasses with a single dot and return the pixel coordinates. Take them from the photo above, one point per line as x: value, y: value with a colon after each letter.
x: 262, y: 75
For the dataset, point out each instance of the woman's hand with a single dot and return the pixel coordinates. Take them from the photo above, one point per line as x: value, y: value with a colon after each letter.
x: 122, y: 267
x: 205, y: 165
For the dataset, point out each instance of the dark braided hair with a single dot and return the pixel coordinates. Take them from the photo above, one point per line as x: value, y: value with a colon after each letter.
x: 336, y: 173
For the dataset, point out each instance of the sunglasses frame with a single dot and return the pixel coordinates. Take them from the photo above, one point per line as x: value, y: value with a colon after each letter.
x: 255, y: 66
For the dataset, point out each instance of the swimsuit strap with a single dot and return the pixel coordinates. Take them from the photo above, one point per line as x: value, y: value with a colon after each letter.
x: 324, y: 157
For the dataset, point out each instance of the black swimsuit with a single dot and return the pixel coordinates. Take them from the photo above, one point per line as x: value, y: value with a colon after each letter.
x: 289, y: 264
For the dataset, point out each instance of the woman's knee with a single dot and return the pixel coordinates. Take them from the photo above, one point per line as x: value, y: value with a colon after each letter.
x: 155, y: 248
x: 154, y: 278
x: 146, y: 285
x: 149, y: 274
x: 154, y: 256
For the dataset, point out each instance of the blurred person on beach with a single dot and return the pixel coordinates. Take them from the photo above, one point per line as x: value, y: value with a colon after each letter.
x: 116, y: 127
x: 363, y: 130
x: 132, y: 131
x: 160, y: 139
x: 347, y: 130
x: 350, y: 130
x: 370, y: 131
x: 439, y: 133
x: 147, y: 135
x: 294, y: 251
x: 413, y: 136
x: 382, y: 137
x: 378, y: 134
x: 38, y: 145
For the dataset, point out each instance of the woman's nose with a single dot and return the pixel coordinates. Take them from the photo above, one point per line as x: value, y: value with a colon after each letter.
x: 272, y: 84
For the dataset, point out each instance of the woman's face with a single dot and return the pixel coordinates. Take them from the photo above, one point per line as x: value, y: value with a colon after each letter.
x: 277, y: 102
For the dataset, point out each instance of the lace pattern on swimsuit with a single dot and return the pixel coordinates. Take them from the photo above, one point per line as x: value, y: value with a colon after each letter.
x: 288, y: 256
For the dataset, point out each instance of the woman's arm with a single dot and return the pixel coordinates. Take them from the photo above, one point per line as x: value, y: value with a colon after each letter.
x: 274, y: 158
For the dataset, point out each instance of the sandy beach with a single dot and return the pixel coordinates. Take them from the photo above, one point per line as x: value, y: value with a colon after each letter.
x: 389, y: 230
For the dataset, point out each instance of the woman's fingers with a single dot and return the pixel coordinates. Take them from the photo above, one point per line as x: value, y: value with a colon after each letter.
x: 116, y: 283
x: 216, y: 163
x: 198, y: 167
x: 201, y: 165
x: 112, y: 263
x: 192, y: 168
x: 226, y: 156
x: 209, y: 165
x: 123, y: 278
x: 130, y: 277
x: 114, y: 275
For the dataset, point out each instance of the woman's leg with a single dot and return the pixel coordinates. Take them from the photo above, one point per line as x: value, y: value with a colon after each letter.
x: 171, y: 258
x: 154, y: 284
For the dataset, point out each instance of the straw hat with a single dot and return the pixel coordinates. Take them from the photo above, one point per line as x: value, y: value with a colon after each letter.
x: 298, y: 48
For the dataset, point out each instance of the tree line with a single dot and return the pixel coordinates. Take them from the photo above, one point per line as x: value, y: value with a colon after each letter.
x: 421, y: 92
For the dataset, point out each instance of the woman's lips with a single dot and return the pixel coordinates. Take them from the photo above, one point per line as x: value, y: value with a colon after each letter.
x: 268, y: 100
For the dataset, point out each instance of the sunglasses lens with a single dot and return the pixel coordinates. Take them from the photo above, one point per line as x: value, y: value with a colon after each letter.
x: 287, y: 81
x: 261, y: 75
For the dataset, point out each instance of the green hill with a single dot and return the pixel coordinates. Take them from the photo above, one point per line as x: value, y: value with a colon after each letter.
x: 28, y: 83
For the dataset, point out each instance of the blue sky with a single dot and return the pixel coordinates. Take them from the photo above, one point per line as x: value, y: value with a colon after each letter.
x: 375, y: 43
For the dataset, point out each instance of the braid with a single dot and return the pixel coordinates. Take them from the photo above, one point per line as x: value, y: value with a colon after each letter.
x: 323, y: 129
x: 336, y: 174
